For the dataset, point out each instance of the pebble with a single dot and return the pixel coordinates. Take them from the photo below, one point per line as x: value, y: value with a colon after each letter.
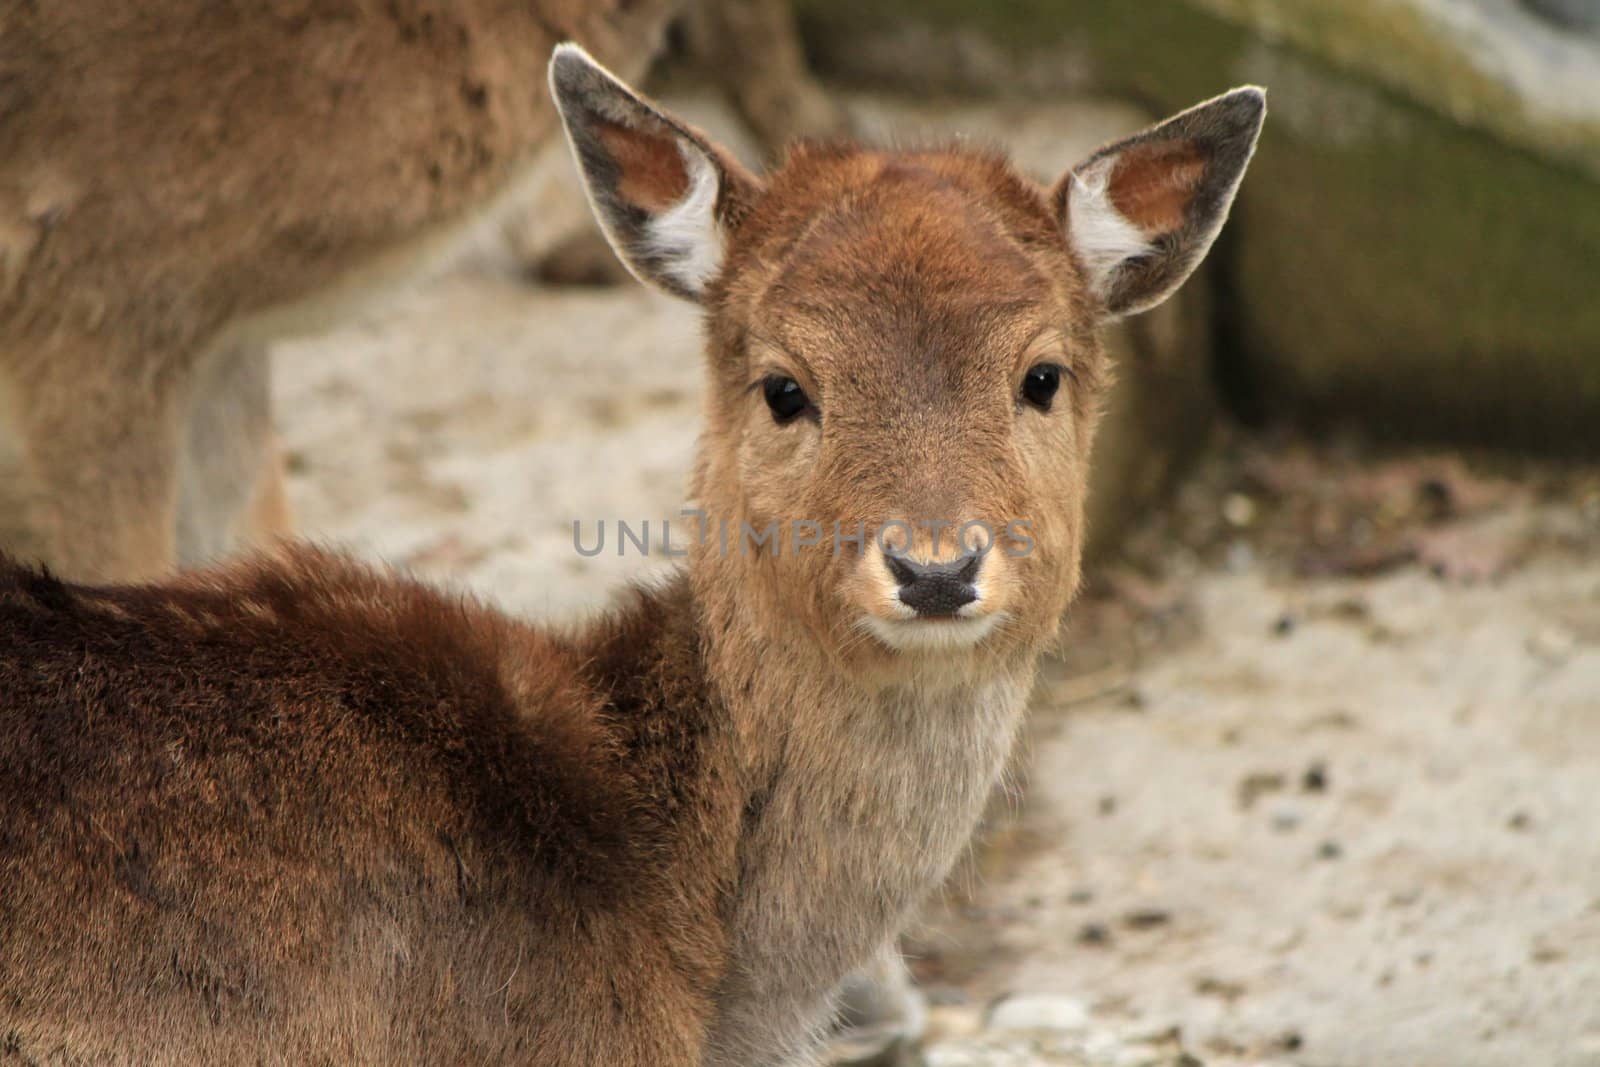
x: 1146, y: 918
x: 1239, y: 510
x: 1039, y: 1011
x: 1032, y: 1029
x: 1315, y: 779
x: 1285, y: 819
x: 948, y: 1022
x: 1094, y: 934
x: 1254, y: 786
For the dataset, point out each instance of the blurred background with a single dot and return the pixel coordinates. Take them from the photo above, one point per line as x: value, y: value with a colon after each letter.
x: 1315, y: 777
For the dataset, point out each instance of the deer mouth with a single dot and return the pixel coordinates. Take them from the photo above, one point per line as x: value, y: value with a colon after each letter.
x: 942, y: 634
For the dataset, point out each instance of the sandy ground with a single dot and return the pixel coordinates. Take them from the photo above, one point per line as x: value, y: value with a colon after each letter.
x: 1342, y: 820
x: 1287, y: 790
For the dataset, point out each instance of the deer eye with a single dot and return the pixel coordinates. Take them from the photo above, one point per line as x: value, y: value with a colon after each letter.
x: 1040, y: 385
x: 784, y: 398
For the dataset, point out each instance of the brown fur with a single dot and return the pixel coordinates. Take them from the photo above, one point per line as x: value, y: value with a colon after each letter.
x: 183, y: 180
x: 304, y: 812
x: 299, y: 811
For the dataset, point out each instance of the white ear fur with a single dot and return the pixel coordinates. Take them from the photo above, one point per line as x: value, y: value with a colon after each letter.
x: 1102, y: 237
x: 686, y: 239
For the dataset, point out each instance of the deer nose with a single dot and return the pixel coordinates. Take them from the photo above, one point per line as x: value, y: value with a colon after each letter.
x: 935, y: 590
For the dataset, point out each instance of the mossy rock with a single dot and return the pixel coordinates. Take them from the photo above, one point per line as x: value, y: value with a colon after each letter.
x: 1420, y: 272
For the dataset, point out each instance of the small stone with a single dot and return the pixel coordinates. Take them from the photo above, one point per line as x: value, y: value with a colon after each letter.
x: 953, y: 1056
x: 1330, y: 850
x: 1285, y: 820
x: 1080, y: 896
x: 1288, y: 1041
x: 1253, y: 786
x: 1239, y: 510
x: 1146, y: 918
x: 1094, y: 934
x: 1315, y: 780
x: 1283, y: 625
x: 1546, y: 953
x: 949, y: 1021
x: 1039, y: 1011
x: 1519, y: 821
x: 1350, y: 609
x: 1210, y: 985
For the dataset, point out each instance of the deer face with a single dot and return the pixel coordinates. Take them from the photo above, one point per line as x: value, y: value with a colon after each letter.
x: 904, y: 360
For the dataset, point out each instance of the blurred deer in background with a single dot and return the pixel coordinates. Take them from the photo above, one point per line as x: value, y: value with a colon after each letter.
x: 183, y: 181
x: 300, y: 811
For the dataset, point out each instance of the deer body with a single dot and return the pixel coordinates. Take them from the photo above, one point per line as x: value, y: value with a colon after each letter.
x: 184, y: 181
x: 297, y: 810
x: 440, y: 850
x: 466, y: 841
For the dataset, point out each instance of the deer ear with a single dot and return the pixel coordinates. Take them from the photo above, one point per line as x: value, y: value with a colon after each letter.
x: 664, y: 195
x: 1141, y: 214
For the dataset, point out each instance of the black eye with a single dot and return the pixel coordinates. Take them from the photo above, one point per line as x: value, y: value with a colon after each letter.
x: 1039, y: 387
x: 784, y: 397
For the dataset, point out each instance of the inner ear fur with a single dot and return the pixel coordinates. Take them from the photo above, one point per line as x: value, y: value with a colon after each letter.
x: 1141, y: 213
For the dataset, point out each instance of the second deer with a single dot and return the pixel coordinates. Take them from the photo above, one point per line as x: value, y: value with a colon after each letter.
x: 184, y: 181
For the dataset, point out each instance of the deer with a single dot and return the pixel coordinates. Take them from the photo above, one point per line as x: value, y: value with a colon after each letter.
x: 183, y: 182
x: 296, y: 808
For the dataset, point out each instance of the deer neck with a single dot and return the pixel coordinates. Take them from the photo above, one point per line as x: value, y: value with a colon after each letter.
x: 858, y: 800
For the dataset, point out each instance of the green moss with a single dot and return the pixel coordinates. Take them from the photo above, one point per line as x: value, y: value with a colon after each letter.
x: 1429, y: 280
x: 1381, y: 41
x: 1399, y: 47
x: 1385, y: 263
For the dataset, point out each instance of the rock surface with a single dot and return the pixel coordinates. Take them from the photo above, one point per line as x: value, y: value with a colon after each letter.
x: 1416, y: 244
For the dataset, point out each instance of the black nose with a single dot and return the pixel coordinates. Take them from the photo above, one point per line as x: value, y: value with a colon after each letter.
x: 936, y: 589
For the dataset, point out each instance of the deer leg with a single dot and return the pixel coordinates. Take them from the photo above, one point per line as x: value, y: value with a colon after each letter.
x: 96, y: 474
x: 552, y: 238
x: 270, y: 517
x: 231, y: 490
x: 752, y: 48
x: 583, y: 259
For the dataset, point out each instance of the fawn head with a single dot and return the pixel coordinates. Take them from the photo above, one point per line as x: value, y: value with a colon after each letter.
x: 903, y: 356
